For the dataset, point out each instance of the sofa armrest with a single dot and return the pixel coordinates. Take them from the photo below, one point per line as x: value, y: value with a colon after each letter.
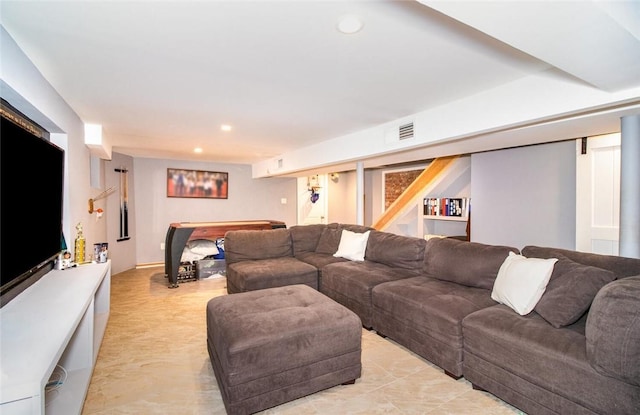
x: 245, y: 245
x: 613, y: 330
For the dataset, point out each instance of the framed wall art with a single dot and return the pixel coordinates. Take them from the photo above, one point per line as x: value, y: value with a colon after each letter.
x: 197, y: 184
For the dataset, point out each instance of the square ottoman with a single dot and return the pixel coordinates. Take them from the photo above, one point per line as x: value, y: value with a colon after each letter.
x: 271, y: 346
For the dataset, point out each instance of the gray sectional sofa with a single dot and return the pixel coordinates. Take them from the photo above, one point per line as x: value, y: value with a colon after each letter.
x: 577, y: 352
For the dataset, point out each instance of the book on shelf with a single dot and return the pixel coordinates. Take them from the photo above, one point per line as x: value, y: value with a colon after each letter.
x: 446, y: 206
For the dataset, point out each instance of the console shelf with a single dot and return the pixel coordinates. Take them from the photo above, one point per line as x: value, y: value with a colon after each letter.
x: 59, y: 320
x: 447, y: 218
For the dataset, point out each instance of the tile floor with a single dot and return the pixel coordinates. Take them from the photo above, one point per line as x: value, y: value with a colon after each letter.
x: 153, y: 360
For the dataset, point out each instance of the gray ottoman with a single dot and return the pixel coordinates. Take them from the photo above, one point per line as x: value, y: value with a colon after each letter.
x: 271, y: 346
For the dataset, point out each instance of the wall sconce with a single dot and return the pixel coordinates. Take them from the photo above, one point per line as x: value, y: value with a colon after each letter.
x: 313, y: 185
x: 334, y: 177
x: 100, y: 196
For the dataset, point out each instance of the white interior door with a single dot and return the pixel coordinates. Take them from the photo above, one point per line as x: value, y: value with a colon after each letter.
x: 310, y: 212
x: 598, y: 195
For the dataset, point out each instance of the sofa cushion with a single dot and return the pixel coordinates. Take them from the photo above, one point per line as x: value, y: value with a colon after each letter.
x: 425, y: 314
x: 318, y: 260
x: 350, y: 283
x: 570, y: 291
x: 243, y: 245
x: 521, y: 281
x: 267, y: 273
x: 305, y: 237
x: 329, y: 239
x: 352, y: 245
x: 476, y: 264
x: 613, y: 330
x: 395, y: 250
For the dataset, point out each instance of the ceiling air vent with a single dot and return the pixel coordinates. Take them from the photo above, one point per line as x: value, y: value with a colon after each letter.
x: 406, y: 131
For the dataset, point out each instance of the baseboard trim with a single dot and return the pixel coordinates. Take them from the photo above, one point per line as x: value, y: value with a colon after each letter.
x: 150, y: 265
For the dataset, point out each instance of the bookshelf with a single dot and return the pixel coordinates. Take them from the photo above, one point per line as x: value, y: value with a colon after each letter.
x: 446, y: 208
x: 445, y: 215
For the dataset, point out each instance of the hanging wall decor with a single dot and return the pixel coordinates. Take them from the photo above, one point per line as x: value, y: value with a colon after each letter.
x: 124, y: 204
x: 197, y: 184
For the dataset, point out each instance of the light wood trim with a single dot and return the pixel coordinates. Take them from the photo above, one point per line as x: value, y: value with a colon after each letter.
x: 433, y: 170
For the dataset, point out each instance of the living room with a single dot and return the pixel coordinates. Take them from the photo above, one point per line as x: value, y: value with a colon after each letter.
x: 25, y: 88
x: 518, y: 174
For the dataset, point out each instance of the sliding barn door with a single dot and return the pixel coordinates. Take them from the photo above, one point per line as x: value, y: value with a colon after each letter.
x: 598, y: 194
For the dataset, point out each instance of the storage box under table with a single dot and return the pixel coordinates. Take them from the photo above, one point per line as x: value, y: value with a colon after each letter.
x: 274, y: 345
x: 208, y: 267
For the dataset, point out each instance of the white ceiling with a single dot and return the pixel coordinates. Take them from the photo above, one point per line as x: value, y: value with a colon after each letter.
x: 162, y: 76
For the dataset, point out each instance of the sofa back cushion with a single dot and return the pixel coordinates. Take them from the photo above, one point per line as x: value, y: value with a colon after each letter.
x: 621, y: 266
x: 570, y: 291
x: 329, y: 239
x: 468, y: 263
x: 305, y: 237
x: 243, y: 245
x: 395, y: 250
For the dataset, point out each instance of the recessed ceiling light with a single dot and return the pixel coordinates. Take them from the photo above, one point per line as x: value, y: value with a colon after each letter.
x: 349, y: 24
x: 197, y: 150
x: 225, y: 127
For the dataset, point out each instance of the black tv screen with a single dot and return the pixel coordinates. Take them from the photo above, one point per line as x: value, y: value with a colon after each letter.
x: 31, y: 197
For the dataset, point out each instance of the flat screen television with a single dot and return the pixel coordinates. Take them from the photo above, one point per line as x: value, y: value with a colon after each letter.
x: 31, y: 197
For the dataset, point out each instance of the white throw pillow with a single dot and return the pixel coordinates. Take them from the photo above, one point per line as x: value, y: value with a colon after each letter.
x: 352, y: 245
x: 521, y: 281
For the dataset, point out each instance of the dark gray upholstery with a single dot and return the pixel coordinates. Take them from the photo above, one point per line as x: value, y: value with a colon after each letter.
x: 538, y: 368
x: 246, y: 245
x: 425, y: 313
x: 570, y: 291
x: 350, y: 283
x: 435, y: 299
x: 252, y: 275
x: 305, y: 237
x: 329, y: 239
x: 388, y: 257
x: 613, y: 331
x: 277, y: 257
x: 395, y: 250
x: 542, y: 369
x: 621, y: 266
x: 319, y: 261
x: 275, y: 345
x: 467, y: 263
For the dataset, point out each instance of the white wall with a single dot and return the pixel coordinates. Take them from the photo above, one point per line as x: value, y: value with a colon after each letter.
x: 525, y: 196
x: 342, y: 198
x: 27, y: 90
x: 249, y: 199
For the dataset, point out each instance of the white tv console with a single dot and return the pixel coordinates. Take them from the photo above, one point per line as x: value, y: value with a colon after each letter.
x: 59, y: 320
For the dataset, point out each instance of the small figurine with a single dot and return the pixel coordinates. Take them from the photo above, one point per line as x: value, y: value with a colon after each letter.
x: 66, y: 260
